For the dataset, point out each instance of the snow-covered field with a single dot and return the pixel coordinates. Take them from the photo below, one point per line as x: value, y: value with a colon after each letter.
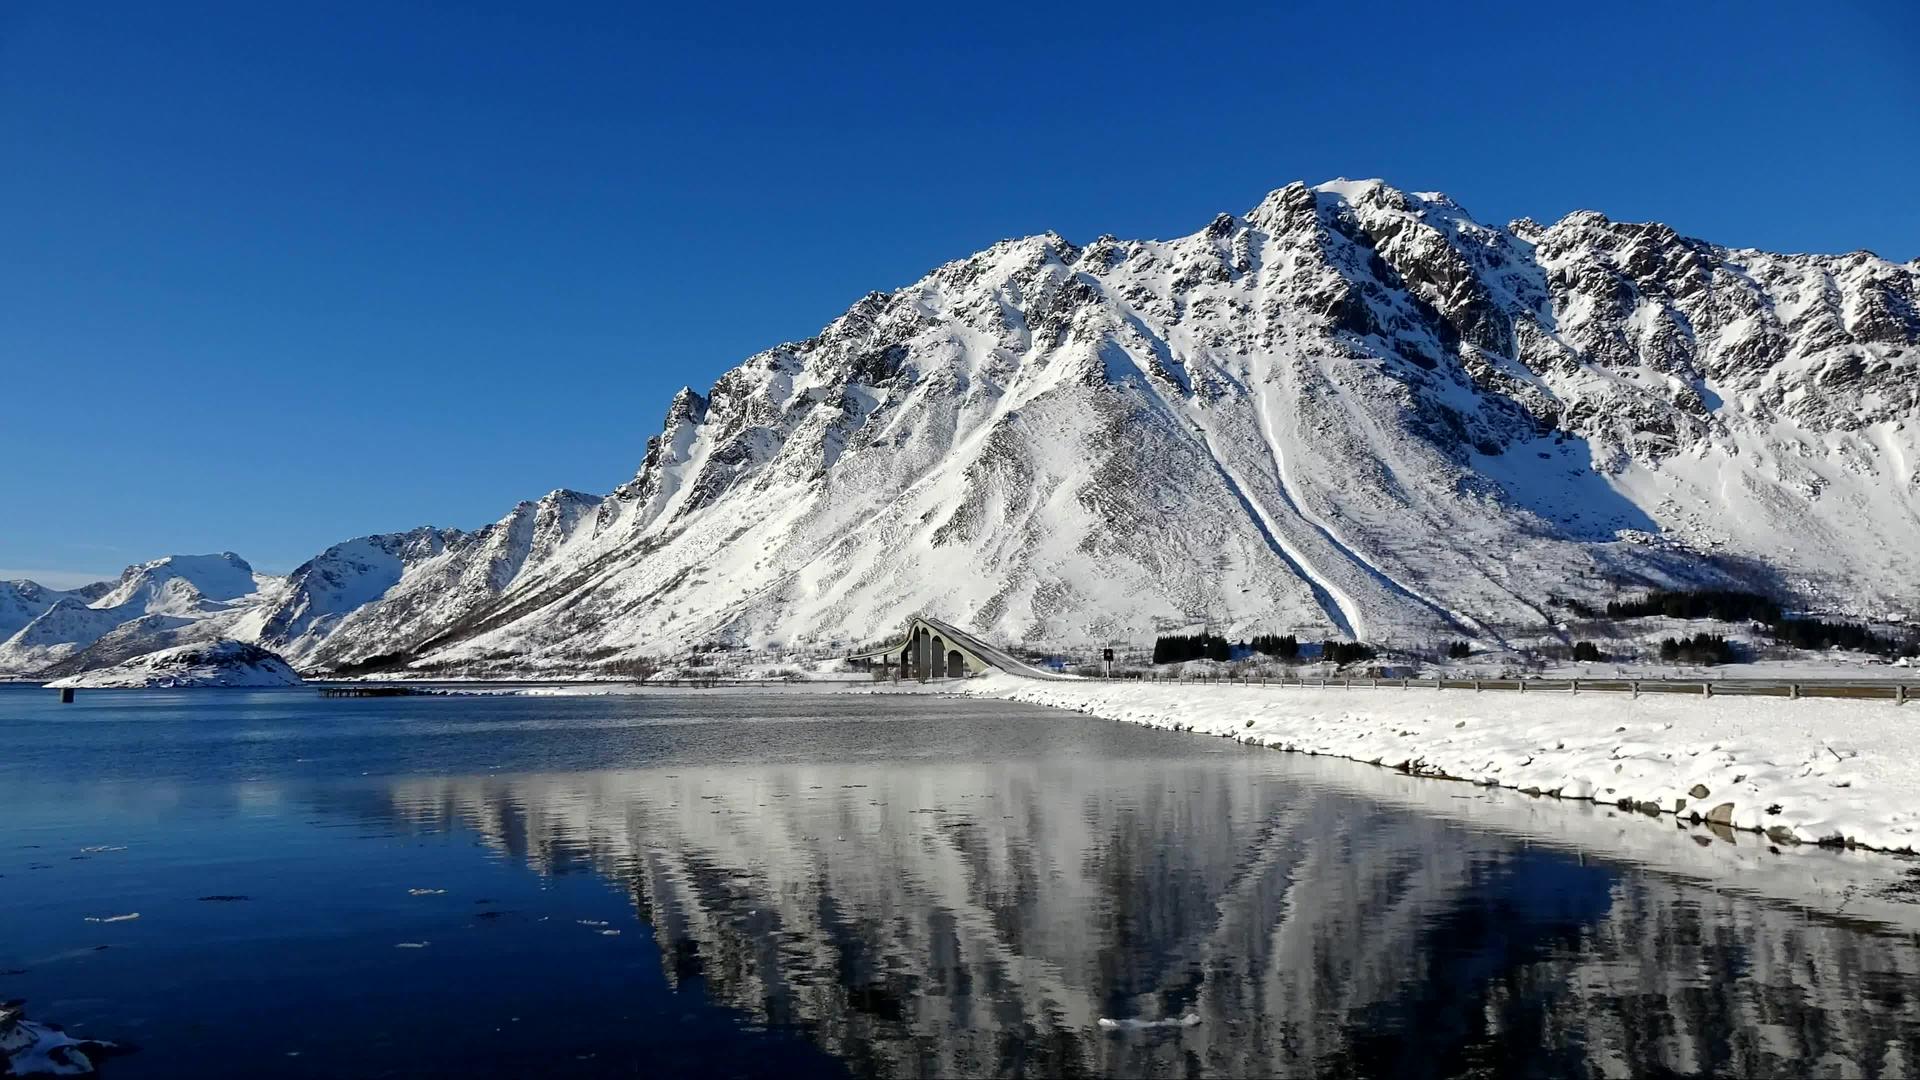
x: 1804, y: 770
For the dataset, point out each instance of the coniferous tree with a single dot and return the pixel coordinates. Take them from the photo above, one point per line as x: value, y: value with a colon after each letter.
x: 1179, y: 648
x: 1284, y: 646
x: 1701, y: 648
x: 1724, y: 605
x: 1346, y: 652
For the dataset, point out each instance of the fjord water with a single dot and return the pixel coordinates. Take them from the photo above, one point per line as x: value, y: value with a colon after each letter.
x: 814, y: 884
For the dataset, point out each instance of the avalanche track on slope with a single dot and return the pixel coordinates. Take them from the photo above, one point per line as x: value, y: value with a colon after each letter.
x: 1351, y: 410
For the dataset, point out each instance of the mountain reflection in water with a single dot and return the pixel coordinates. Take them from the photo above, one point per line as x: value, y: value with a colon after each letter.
x: 938, y: 919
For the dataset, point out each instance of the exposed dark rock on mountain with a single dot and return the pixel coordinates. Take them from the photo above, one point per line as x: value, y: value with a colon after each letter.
x: 1352, y: 411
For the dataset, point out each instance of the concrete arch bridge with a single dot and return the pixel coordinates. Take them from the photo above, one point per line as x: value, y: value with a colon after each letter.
x: 931, y: 649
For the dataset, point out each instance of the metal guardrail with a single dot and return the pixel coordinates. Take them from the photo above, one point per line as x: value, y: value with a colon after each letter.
x: 1897, y: 692
x: 427, y: 688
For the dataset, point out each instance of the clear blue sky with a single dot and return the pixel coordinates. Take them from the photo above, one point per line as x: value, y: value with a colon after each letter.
x: 274, y: 275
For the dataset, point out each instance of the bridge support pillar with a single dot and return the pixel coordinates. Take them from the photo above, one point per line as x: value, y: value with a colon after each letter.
x: 922, y: 662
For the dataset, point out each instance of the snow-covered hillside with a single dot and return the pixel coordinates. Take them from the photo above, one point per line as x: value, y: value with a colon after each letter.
x: 21, y: 602
x: 213, y: 664
x: 1350, y: 411
x: 340, y: 581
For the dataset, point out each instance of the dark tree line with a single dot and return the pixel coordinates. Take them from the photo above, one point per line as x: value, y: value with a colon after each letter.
x: 1819, y: 634
x: 1701, y: 648
x: 1346, y: 652
x: 1179, y: 648
x: 1284, y: 646
x: 1725, y: 605
x: 382, y: 664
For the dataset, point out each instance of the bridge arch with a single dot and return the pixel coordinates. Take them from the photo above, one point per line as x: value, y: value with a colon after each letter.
x: 928, y: 648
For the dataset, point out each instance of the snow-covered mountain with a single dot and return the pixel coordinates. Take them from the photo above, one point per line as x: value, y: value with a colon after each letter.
x: 21, y: 602
x: 1351, y: 411
x: 153, y: 605
x: 343, y: 579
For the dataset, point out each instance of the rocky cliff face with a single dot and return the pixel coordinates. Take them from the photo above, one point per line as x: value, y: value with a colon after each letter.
x: 343, y: 579
x: 1351, y: 410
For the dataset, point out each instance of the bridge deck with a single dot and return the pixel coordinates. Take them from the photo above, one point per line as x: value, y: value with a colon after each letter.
x: 994, y: 655
x: 988, y: 653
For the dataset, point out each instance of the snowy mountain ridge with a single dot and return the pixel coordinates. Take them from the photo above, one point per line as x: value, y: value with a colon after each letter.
x: 1351, y: 411
x: 146, y: 608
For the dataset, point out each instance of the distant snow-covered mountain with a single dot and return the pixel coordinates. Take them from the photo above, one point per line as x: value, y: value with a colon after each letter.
x: 152, y: 605
x: 1351, y: 411
x: 21, y: 602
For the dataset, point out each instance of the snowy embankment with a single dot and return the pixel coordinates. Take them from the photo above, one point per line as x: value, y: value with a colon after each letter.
x: 1811, y: 771
x: 29, y: 1048
x: 219, y: 664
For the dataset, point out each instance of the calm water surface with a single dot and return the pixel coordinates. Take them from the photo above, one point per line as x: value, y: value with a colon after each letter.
x: 824, y: 885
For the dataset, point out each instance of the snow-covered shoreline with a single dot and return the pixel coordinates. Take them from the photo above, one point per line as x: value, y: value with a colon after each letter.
x: 1804, y: 771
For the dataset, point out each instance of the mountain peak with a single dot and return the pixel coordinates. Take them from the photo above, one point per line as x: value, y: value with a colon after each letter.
x: 1352, y: 412
x: 1354, y: 190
